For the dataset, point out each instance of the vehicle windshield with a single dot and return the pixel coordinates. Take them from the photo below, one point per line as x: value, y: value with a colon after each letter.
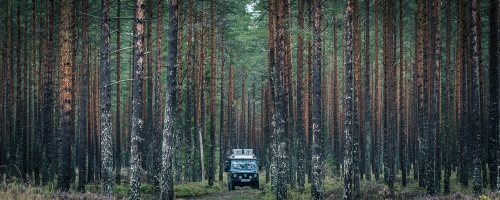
x: 244, y: 164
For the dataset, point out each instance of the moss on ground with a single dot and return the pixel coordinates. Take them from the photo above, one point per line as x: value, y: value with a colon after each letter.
x: 332, y: 187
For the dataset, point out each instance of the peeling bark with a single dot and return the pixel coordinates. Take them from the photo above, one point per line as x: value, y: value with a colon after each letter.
x: 348, y: 103
x: 105, y: 101
x: 156, y: 132
x: 475, y: 92
x: 301, y: 137
x: 137, y: 123
x: 434, y: 115
x: 317, y: 160
x: 65, y: 100
x: 279, y: 132
x: 170, y: 98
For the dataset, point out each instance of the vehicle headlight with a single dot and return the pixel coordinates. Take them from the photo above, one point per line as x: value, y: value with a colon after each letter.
x: 255, y: 175
x: 240, y: 177
x: 234, y: 175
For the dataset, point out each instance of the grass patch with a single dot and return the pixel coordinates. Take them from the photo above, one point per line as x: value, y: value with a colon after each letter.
x: 332, y: 189
x: 196, y: 189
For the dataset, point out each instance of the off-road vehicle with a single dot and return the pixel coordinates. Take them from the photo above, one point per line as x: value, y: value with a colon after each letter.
x: 242, y: 169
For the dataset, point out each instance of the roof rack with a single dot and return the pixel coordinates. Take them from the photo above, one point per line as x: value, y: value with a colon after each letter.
x: 242, y: 154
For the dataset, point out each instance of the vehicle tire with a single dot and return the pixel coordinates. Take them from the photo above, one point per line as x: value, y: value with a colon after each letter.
x: 255, y: 186
x: 230, y: 185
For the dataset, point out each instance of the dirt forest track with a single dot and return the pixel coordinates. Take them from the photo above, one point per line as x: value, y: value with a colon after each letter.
x: 239, y: 193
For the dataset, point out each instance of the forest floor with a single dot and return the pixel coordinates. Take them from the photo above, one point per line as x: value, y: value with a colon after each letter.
x: 228, y: 195
x: 332, y: 187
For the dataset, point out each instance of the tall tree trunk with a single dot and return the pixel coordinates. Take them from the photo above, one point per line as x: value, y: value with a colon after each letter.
x: 289, y: 118
x: 157, y: 123
x: 279, y: 151
x: 232, y: 115
x: 118, y: 154
x: 493, y: 96
x: 336, y: 113
x: 36, y: 148
x: 242, y: 134
x: 97, y: 119
x: 9, y: 103
x: 135, y: 162
x: 65, y: 70
x: 348, y: 103
x: 317, y: 161
x: 149, y: 126
x: 420, y: 92
x: 19, y: 129
x: 83, y: 111
x: 168, y: 131
x: 457, y: 89
x: 482, y: 99
x: 105, y: 101
x: 222, y: 119
x: 356, y: 131
x: 188, y: 170
x: 3, y: 134
x: 26, y: 104
x: 301, y: 171
x: 211, y: 162
x: 90, y: 125
x: 199, y: 153
x: 375, y: 116
x: 47, y: 134
x: 465, y: 165
x: 434, y: 110
x: 74, y: 86
x: 367, y: 104
x: 475, y: 92
x: 389, y: 118
x: 309, y: 92
x: 498, y: 93
x: 179, y: 136
x: 447, y: 104
x: 270, y: 173
x: 402, y: 132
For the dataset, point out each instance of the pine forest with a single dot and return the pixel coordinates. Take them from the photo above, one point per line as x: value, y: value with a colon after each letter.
x: 153, y: 99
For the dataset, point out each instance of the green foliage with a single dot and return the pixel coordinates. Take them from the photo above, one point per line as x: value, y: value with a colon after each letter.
x: 146, y: 189
x: 195, y: 189
x: 333, y: 167
x: 122, y: 191
x: 332, y: 190
x: 50, y: 188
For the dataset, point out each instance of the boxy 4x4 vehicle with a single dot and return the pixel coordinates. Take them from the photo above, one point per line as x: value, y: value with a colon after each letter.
x: 242, y: 169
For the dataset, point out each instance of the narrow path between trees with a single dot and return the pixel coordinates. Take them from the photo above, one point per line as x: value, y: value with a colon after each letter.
x: 239, y: 193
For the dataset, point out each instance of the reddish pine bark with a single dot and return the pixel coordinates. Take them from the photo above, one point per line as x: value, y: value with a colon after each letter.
x: 135, y: 162
x: 65, y: 100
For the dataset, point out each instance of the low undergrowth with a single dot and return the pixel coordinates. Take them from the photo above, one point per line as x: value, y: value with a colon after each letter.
x: 332, y: 189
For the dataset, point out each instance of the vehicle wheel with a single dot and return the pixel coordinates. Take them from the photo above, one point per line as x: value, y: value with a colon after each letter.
x: 255, y: 186
x: 230, y: 185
